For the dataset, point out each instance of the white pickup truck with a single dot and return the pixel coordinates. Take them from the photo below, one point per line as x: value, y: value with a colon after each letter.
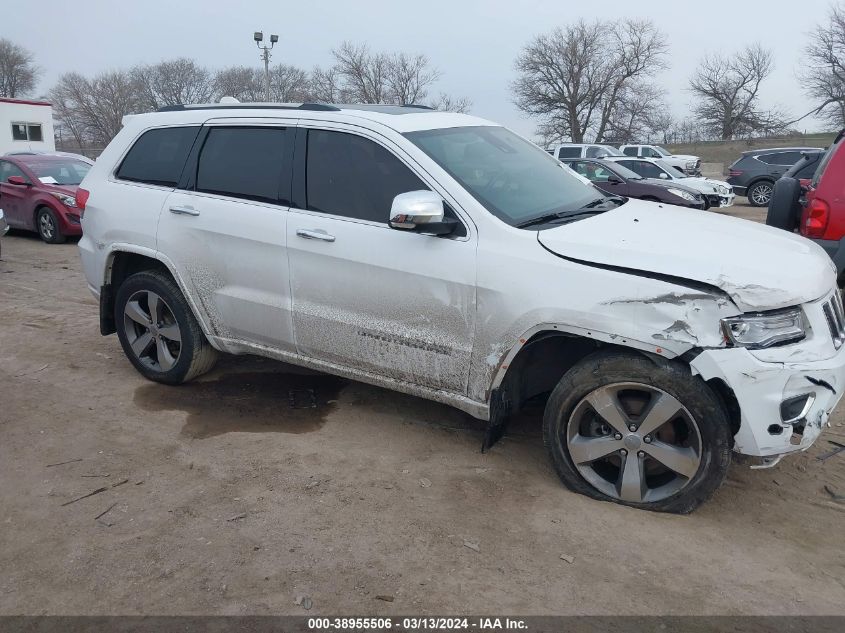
x: 688, y: 164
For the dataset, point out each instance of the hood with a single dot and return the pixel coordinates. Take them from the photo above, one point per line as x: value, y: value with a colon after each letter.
x: 686, y: 157
x: 669, y: 184
x: 705, y: 184
x: 66, y: 189
x: 759, y: 267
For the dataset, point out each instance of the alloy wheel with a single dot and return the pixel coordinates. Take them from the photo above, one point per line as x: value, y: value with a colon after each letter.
x: 46, y: 226
x: 152, y: 331
x: 634, y: 442
x: 761, y: 194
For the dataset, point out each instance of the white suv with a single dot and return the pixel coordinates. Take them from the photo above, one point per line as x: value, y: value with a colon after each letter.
x: 686, y: 163
x: 444, y: 256
x: 583, y: 150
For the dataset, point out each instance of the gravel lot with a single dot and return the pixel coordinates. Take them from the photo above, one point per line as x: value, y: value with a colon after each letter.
x: 372, y: 503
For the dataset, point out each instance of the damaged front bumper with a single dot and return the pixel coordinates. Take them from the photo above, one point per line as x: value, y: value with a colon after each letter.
x: 783, y: 405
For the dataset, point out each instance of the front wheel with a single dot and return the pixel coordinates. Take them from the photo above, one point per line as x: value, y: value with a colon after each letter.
x: 158, y: 332
x: 47, y: 225
x: 621, y: 428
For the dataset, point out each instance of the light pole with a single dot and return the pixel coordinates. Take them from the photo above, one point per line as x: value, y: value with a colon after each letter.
x: 258, y: 36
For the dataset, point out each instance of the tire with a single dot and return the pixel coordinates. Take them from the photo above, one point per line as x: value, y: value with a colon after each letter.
x: 784, y: 208
x: 172, y: 350
x: 760, y: 193
x: 47, y: 225
x: 590, y: 451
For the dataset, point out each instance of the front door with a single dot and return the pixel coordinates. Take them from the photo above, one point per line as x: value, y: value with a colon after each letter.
x: 225, y: 231
x: 13, y: 197
x: 395, y: 303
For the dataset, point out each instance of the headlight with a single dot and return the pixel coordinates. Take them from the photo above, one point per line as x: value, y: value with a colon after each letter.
x: 686, y: 195
x: 690, y: 164
x: 68, y: 201
x: 764, y: 330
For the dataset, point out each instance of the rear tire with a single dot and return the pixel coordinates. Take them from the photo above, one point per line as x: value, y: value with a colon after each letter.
x: 158, y: 332
x: 760, y: 193
x: 784, y: 209
x: 47, y: 225
x: 615, y: 417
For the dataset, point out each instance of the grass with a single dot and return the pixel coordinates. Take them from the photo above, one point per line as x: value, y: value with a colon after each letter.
x: 726, y: 152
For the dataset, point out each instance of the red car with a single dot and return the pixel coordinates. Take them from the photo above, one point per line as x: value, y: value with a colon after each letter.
x: 37, y: 194
x: 816, y: 209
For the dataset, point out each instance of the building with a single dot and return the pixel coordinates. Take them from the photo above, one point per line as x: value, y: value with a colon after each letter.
x: 26, y: 125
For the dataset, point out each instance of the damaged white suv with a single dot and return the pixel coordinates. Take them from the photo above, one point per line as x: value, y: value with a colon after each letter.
x: 444, y: 256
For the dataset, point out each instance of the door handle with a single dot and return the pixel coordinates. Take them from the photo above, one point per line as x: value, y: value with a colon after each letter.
x: 315, y: 234
x: 184, y: 210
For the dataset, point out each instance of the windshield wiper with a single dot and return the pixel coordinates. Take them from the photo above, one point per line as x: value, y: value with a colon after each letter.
x: 587, y: 209
x: 543, y: 219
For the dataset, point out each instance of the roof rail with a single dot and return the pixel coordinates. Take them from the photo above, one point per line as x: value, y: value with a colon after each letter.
x: 417, y: 105
x: 179, y: 107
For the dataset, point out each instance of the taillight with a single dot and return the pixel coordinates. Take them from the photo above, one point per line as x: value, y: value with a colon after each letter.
x: 733, y: 173
x: 81, y: 200
x: 814, y: 219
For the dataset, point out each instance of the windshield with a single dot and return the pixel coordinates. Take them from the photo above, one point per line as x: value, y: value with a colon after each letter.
x: 59, y: 172
x: 611, y: 151
x: 662, y: 151
x: 514, y: 179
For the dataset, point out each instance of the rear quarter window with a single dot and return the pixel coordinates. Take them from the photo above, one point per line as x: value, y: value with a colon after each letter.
x: 569, y: 152
x: 825, y: 161
x: 158, y: 156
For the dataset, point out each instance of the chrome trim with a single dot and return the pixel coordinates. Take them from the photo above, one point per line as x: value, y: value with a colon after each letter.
x: 315, y: 234
x: 834, y: 314
x: 811, y: 399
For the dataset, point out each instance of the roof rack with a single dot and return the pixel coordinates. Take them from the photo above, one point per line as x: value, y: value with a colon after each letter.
x: 417, y: 105
x: 320, y: 107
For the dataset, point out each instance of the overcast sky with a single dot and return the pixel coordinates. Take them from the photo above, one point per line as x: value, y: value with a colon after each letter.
x: 472, y: 42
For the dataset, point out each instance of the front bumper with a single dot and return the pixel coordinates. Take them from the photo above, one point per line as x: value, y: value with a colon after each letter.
x: 721, y: 201
x: 763, y: 381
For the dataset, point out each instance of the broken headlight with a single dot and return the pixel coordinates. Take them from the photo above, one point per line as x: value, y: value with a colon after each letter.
x: 756, y: 331
x: 682, y: 194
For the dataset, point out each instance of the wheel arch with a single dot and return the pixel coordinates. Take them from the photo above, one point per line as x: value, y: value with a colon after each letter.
x: 124, y: 261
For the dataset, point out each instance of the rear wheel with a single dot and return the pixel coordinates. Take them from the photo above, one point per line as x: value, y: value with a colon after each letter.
x: 158, y: 332
x: 760, y: 193
x: 47, y: 225
x: 621, y: 428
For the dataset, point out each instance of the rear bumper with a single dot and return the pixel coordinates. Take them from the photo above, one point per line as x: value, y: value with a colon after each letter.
x: 836, y: 250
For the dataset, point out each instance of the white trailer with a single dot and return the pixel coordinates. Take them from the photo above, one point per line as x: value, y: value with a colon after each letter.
x: 26, y: 126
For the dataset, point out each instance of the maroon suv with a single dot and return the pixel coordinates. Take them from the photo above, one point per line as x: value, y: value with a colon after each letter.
x: 37, y: 194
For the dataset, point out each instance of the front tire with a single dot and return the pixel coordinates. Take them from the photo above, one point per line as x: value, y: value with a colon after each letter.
x: 158, y: 332
x: 47, y: 225
x: 760, y: 193
x: 622, y: 428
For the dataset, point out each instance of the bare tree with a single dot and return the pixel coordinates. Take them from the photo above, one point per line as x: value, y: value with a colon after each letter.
x: 639, y: 112
x: 289, y: 84
x: 93, y: 109
x: 364, y: 75
x: 326, y: 85
x: 172, y: 82
x: 572, y: 78
x: 409, y: 77
x: 18, y: 72
x: 823, y: 75
x: 241, y: 82
x: 728, y: 91
x: 447, y: 103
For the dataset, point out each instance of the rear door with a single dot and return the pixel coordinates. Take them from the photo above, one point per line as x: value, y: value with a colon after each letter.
x: 394, y: 303
x: 224, y: 229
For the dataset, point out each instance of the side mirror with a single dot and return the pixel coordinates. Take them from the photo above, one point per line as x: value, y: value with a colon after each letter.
x: 420, y: 211
x: 614, y: 179
x: 664, y: 175
x: 17, y: 180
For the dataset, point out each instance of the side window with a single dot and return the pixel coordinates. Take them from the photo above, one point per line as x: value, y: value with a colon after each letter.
x: 569, y: 152
x: 7, y: 170
x: 785, y: 159
x: 594, y: 151
x: 243, y: 162
x: 807, y: 170
x: 650, y: 153
x: 158, y: 156
x: 353, y: 177
x: 630, y: 151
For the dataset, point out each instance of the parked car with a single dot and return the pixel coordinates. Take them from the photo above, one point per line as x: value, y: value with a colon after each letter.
x: 38, y: 193
x: 717, y: 193
x: 38, y: 152
x: 753, y: 175
x: 614, y: 179
x: 441, y: 255
x: 818, y: 210
x: 805, y: 168
x: 4, y: 228
x: 686, y: 163
x: 583, y: 150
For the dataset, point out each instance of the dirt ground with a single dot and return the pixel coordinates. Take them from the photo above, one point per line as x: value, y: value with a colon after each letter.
x: 372, y: 503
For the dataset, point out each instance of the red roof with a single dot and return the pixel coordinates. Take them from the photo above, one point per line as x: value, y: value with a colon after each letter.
x: 25, y: 102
